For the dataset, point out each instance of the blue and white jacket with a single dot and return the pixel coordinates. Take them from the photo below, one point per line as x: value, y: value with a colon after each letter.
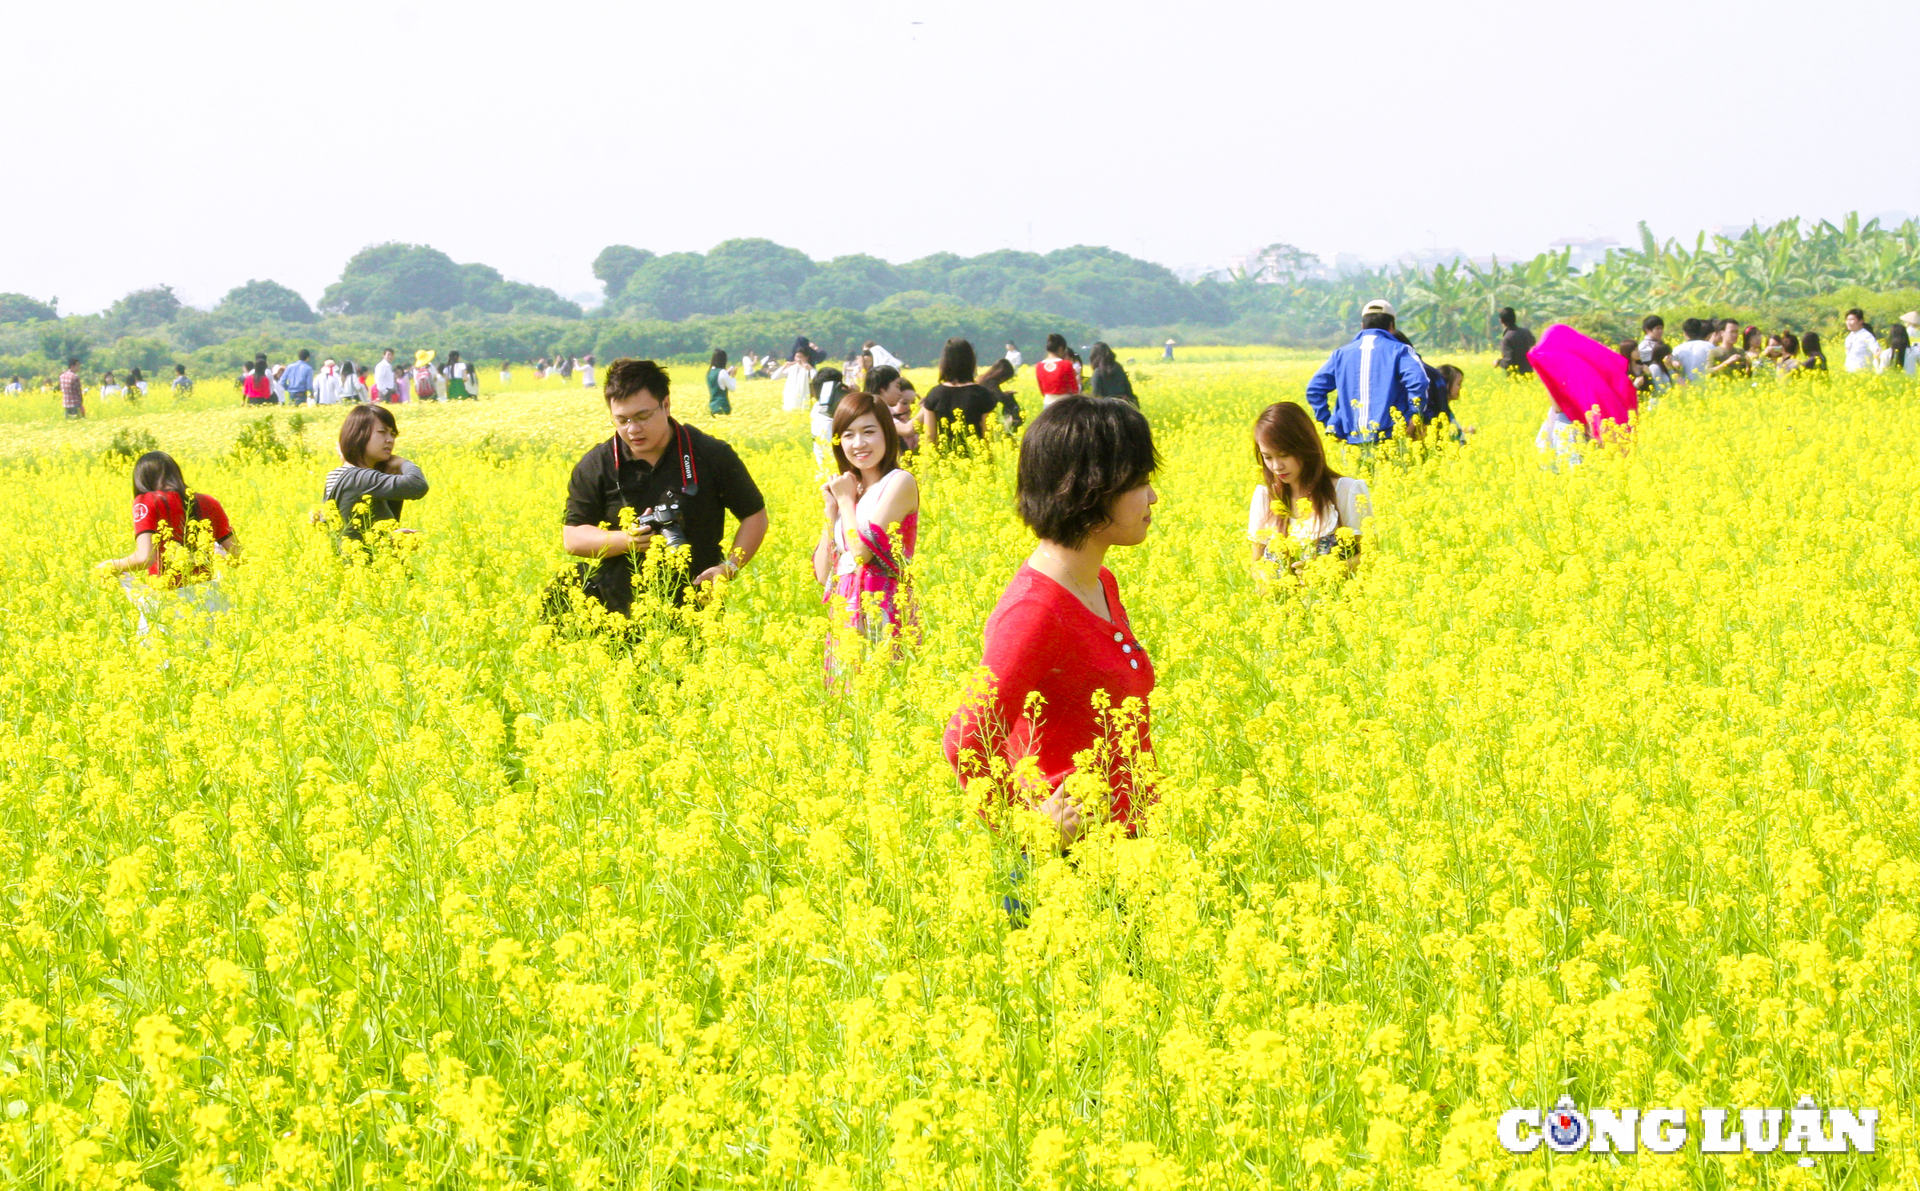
x: 1373, y: 376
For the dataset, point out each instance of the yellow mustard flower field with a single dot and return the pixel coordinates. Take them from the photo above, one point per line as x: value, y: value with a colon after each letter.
x: 1597, y: 780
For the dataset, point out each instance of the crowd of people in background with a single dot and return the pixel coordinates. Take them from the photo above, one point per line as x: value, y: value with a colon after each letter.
x: 1722, y: 347
x: 1083, y: 486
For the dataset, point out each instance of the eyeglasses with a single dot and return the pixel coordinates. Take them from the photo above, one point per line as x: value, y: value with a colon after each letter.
x: 639, y: 419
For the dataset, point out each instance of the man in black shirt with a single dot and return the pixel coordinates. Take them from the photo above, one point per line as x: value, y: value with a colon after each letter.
x: 1515, y: 342
x: 679, y: 482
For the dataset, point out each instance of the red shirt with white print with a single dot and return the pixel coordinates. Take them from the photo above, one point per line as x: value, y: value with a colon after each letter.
x: 151, y: 510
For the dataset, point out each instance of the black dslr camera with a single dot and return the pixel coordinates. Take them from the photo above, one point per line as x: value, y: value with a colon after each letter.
x: 664, y: 518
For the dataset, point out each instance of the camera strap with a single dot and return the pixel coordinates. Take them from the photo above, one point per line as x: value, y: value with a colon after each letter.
x: 689, y: 471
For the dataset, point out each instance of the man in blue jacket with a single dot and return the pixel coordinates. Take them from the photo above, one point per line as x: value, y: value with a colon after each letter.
x: 298, y: 378
x: 1373, y: 377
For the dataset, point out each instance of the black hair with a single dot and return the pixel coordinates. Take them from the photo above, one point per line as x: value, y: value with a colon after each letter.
x: 1101, y: 357
x: 181, y: 369
x: 73, y: 361
x: 998, y: 373
x: 156, y: 471
x: 879, y: 378
x: 134, y: 377
x: 626, y: 377
x: 1651, y: 321
x: 1378, y: 320
x: 719, y: 359
x: 1507, y: 317
x: 1076, y: 458
x: 305, y: 354
x: 453, y: 358
x: 1858, y: 313
x: 1057, y: 344
x: 1693, y: 328
x: 260, y: 366
x: 1810, y: 344
x: 957, y: 363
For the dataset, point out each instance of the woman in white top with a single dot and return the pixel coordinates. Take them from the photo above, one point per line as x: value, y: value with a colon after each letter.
x: 1304, y: 509
x: 1861, y: 343
x: 326, y: 386
x: 799, y: 374
x: 506, y: 373
x: 873, y: 519
x: 586, y: 371
x: 351, y: 389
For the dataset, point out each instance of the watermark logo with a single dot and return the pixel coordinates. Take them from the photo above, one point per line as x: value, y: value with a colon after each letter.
x: 1566, y: 1127
x: 1806, y: 1129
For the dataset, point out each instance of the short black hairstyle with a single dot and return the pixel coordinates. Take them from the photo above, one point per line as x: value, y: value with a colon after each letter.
x: 626, y: 377
x: 1507, y: 317
x: 1651, y: 321
x: 1858, y: 313
x: 180, y: 368
x: 305, y: 354
x: 1076, y: 458
x: 718, y: 359
x: 1693, y: 328
x: 878, y: 379
x: 1378, y: 320
x: 73, y: 361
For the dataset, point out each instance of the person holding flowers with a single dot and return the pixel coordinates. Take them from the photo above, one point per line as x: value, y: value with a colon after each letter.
x: 1066, y: 673
x: 1302, y: 508
x: 873, y: 516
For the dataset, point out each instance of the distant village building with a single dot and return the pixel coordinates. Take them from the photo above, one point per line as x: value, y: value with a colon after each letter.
x: 1584, y: 255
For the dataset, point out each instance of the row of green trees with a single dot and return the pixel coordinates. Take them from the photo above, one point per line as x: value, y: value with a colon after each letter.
x: 1793, y: 274
x: 1094, y: 285
x: 916, y: 333
x: 757, y: 295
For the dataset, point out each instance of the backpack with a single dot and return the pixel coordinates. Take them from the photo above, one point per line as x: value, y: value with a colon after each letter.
x: 423, y: 381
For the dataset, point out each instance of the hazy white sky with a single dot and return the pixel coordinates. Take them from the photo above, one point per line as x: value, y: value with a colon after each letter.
x: 208, y: 143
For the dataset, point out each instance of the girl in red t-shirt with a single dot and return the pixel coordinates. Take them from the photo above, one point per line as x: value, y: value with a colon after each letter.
x: 1060, y: 631
x: 1057, y: 375
x: 172, y: 530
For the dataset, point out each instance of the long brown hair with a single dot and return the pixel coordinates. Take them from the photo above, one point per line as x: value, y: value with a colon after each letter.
x: 156, y: 471
x: 853, y: 407
x: 1287, y: 429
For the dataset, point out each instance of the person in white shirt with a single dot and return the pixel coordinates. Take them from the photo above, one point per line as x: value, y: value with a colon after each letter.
x: 1696, y: 354
x: 506, y: 373
x: 799, y: 375
x: 1013, y: 356
x: 1912, y: 320
x: 326, y: 385
x: 586, y: 371
x: 386, y: 386
x: 1861, y: 343
x: 882, y: 356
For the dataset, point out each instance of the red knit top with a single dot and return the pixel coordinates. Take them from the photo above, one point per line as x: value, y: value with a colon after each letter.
x: 1042, y: 640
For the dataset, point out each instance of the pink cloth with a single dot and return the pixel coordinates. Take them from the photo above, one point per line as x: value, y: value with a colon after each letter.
x: 872, y: 597
x: 1587, y: 380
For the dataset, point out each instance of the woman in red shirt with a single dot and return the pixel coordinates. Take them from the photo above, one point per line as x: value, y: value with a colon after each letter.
x: 1060, y: 632
x: 255, y: 386
x: 1058, y: 375
x: 166, y: 516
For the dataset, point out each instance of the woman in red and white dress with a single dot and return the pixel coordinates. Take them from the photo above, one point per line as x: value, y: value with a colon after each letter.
x: 1058, y: 375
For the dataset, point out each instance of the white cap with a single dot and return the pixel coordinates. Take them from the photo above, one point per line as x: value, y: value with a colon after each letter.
x: 1377, y: 306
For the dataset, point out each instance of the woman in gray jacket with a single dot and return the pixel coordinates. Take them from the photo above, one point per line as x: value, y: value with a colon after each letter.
x: 371, y: 483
